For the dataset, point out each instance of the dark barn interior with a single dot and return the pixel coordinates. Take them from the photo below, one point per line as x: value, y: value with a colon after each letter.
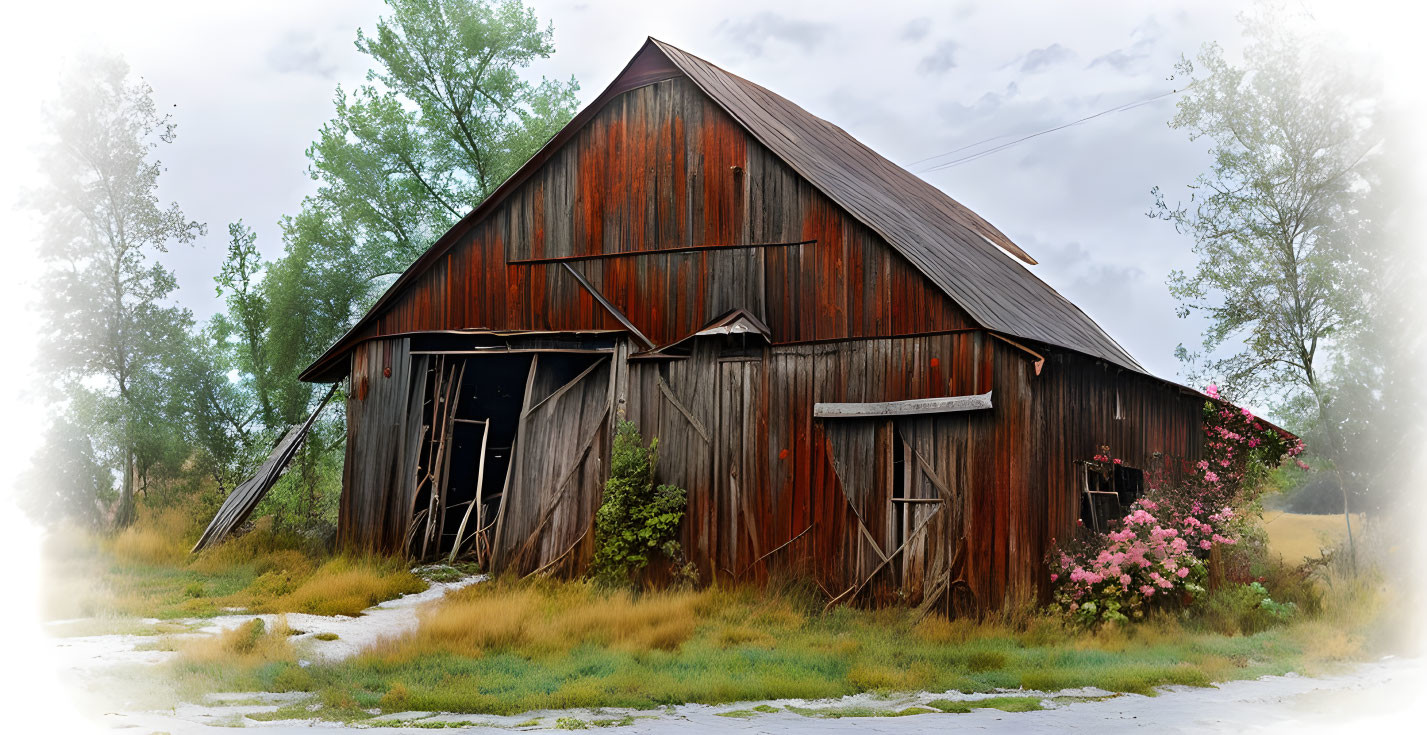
x: 856, y: 379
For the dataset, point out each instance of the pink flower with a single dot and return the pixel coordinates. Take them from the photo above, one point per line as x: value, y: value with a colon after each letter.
x: 1147, y: 590
x: 1206, y: 545
x: 1054, y: 577
x: 1212, y: 390
x: 1182, y: 572
x: 1211, y: 477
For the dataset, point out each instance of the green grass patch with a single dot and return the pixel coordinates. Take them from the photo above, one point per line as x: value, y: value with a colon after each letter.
x: 507, y: 647
x: 1005, y: 704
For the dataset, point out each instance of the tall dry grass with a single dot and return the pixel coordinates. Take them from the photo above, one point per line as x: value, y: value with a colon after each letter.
x: 547, y: 619
x: 147, y: 570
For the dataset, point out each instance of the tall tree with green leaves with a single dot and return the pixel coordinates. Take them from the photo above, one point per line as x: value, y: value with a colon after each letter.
x: 448, y: 111
x: 242, y: 329
x: 1279, y: 216
x: 112, y: 328
x: 445, y: 116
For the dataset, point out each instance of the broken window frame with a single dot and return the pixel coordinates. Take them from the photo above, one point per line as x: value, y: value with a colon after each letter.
x: 1108, y: 498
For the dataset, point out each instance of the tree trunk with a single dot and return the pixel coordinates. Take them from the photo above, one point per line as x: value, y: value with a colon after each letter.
x: 1335, y: 453
x: 126, y: 513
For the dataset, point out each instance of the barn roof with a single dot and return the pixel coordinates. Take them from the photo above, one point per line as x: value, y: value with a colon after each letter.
x: 963, y: 254
x: 950, y: 244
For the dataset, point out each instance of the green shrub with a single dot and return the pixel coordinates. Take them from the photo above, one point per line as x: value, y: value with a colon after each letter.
x: 636, y: 520
x: 1243, y: 609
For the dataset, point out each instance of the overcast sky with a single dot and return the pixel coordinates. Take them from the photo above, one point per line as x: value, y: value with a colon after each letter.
x: 250, y: 83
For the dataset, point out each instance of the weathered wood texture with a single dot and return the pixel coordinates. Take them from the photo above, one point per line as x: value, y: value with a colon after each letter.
x: 245, y: 498
x: 979, y: 496
x: 385, y: 395
x: 959, y: 509
x: 662, y: 167
x: 558, y: 473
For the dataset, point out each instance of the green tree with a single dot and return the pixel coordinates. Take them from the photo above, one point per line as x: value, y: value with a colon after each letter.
x: 1278, y: 219
x: 446, y: 114
x: 242, y: 330
x: 444, y: 117
x: 66, y: 480
x: 112, y: 328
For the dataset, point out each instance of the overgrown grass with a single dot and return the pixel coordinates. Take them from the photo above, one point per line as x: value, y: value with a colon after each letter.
x: 507, y: 647
x: 147, y: 571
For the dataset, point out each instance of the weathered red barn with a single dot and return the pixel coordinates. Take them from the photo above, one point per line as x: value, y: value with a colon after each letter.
x: 847, y: 370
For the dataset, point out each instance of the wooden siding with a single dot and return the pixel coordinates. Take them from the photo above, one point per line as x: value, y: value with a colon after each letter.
x: 663, y: 167
x: 385, y: 393
x: 960, y: 508
x: 737, y: 432
x: 771, y: 487
x: 548, y: 510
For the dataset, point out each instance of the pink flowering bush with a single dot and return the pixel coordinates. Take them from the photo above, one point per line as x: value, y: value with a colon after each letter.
x: 1156, y: 554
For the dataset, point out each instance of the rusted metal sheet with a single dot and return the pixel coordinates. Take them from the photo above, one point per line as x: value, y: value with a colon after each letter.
x: 240, y: 503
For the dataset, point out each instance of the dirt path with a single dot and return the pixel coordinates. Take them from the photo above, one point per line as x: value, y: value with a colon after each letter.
x: 84, y: 656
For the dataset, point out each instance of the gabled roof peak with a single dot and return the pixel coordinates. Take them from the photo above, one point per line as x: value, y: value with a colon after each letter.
x: 964, y: 255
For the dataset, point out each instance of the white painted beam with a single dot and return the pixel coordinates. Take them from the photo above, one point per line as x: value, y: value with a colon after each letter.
x: 914, y: 407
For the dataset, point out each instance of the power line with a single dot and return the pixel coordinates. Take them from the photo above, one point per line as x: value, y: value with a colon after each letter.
x: 1022, y: 139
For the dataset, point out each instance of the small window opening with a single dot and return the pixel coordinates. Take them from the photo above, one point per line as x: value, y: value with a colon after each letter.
x: 1107, y: 490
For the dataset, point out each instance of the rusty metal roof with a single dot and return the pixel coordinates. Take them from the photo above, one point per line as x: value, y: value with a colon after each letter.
x: 950, y: 244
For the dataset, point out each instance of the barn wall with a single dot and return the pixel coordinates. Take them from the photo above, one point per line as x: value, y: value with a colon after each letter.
x: 737, y: 433
x: 772, y: 488
x: 663, y: 167
x: 1159, y: 427
x: 378, y: 475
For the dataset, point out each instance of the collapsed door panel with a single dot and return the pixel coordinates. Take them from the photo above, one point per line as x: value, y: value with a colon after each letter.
x: 860, y: 451
x: 548, y: 507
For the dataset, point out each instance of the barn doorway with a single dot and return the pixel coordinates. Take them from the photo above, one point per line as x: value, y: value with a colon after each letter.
x: 470, y: 429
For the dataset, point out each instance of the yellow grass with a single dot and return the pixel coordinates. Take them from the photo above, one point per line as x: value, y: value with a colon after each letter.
x: 1297, y: 536
x: 156, y: 538
x: 147, y: 570
x: 549, y: 619
x: 253, y: 643
x: 342, y: 586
